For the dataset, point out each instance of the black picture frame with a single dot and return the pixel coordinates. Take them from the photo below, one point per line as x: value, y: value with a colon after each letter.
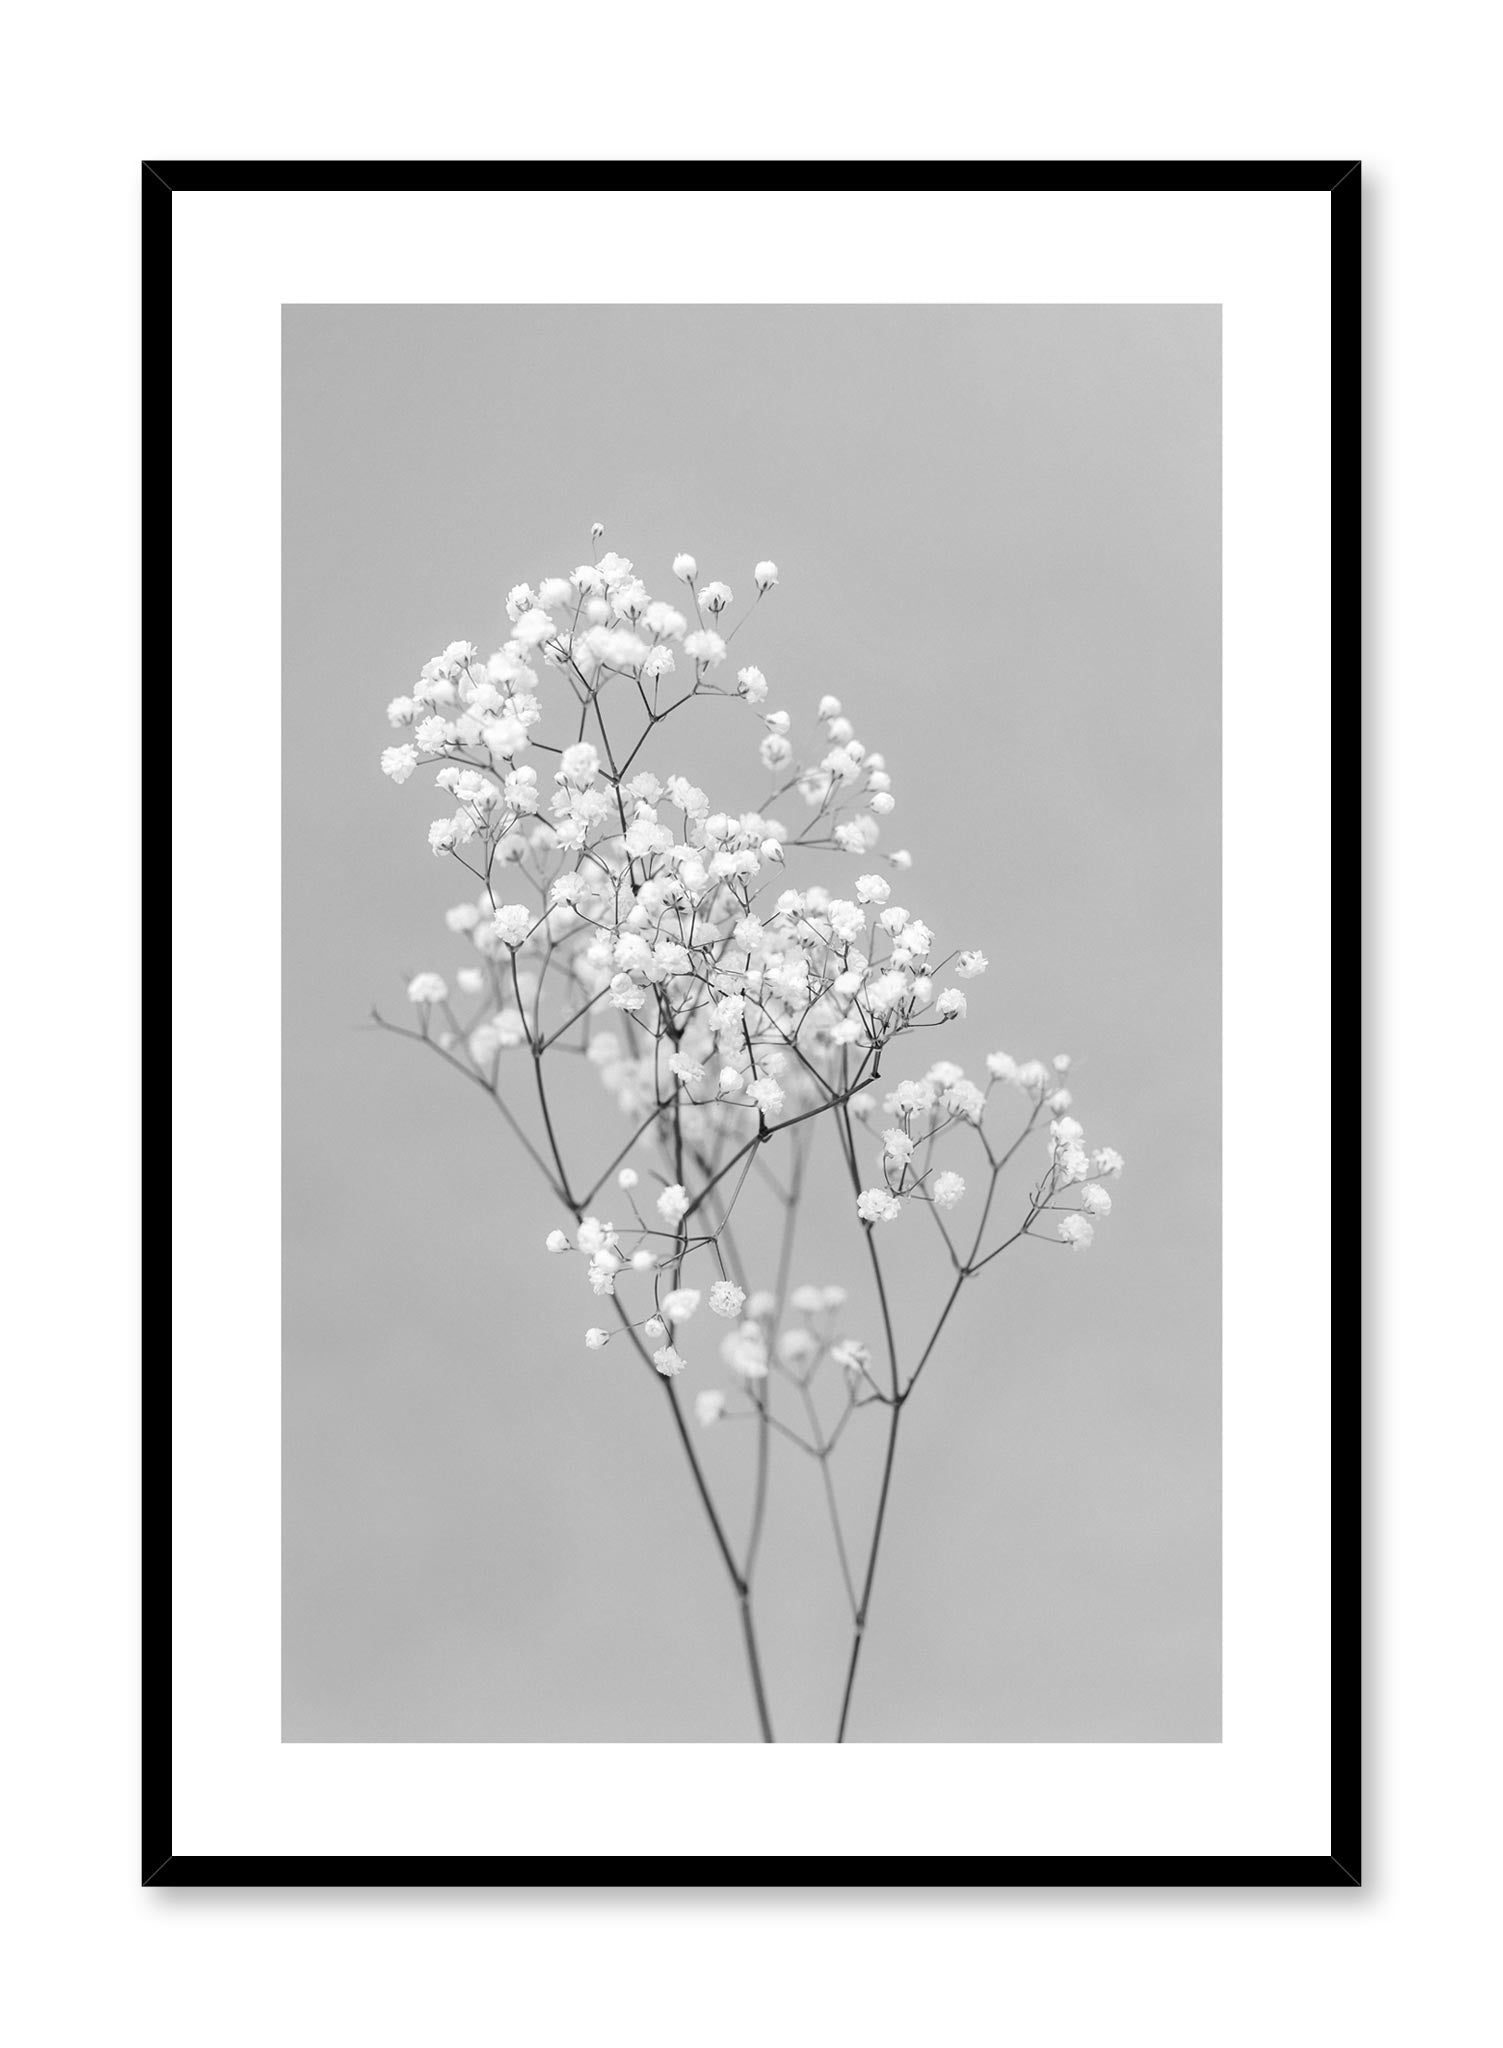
x: 161, y: 1866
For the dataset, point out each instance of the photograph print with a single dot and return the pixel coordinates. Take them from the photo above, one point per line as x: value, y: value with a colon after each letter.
x: 751, y: 1023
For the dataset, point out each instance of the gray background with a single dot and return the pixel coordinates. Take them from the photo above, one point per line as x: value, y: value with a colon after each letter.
x: 998, y: 529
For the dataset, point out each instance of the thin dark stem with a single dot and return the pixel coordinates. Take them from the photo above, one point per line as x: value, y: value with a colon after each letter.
x: 563, y: 1178
x: 859, y: 1632
x: 722, y: 1543
x: 763, y: 1398
x: 749, y: 1632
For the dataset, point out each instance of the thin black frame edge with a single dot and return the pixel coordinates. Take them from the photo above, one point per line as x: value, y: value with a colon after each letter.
x: 156, y: 1382
x: 758, y: 1873
x: 1346, y: 697
x: 1342, y: 1868
x: 426, y: 174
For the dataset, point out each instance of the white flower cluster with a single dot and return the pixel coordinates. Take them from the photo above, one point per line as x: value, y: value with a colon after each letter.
x: 618, y: 911
x: 811, y: 1337
x: 924, y: 1111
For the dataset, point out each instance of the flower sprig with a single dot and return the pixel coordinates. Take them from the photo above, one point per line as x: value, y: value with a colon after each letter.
x: 615, y: 913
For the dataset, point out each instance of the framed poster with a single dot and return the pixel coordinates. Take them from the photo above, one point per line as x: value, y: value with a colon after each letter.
x: 774, y: 725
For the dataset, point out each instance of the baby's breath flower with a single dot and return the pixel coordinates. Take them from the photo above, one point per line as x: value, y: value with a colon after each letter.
x: 948, y: 1189
x: 709, y: 1406
x: 512, y: 923
x: 852, y: 1356
x: 950, y: 1003
x: 685, y: 567
x: 672, y: 1204
x: 534, y: 627
x: 596, y: 1339
x: 715, y: 597
x: 555, y: 1241
x: 1095, y: 1200
x: 399, y: 762
x: 627, y: 1177
x: 752, y: 684
x: 1108, y: 1161
x: 798, y: 1348
x: 766, y: 574
x: 766, y: 1094
x: 705, y: 649
x: 964, y: 1099
x: 681, y: 1304
x: 1077, y: 1232
x: 668, y: 1362
x: 427, y: 988
x: 654, y: 1329
x: 878, y: 1205
x: 726, y: 1298
x: 969, y: 965
x: 744, y: 1350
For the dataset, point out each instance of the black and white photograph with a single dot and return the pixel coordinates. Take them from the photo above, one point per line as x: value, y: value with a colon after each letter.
x: 751, y: 1023
x: 750, y: 952
x: 782, y: 827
